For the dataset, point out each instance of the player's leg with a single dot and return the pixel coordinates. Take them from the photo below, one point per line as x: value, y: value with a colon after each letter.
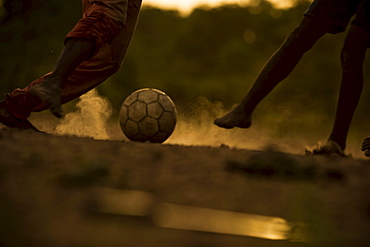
x: 11, y: 121
x: 89, y: 74
x: 49, y: 91
x: 352, y: 57
x: 276, y: 69
x: 363, y: 19
x: 107, y: 60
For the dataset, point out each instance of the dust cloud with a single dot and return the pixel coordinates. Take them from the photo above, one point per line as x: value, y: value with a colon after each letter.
x: 90, y: 119
x: 195, y: 127
x: 285, y: 128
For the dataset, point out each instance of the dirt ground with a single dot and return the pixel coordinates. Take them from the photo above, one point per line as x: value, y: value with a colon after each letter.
x: 52, y: 193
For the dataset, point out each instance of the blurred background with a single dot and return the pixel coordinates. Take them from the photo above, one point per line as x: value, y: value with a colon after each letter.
x: 202, y: 54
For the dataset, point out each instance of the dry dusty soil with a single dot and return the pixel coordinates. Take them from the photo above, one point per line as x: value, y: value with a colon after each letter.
x: 65, y: 191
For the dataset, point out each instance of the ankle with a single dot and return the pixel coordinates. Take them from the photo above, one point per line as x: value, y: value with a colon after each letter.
x: 340, y: 143
x: 247, y: 110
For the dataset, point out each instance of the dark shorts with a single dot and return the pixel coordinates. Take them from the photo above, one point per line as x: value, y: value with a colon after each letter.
x: 339, y: 13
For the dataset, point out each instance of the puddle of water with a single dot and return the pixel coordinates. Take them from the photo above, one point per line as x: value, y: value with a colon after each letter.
x: 167, y: 215
x: 218, y: 221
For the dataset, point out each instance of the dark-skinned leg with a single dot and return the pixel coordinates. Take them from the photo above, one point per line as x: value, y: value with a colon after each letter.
x: 276, y: 69
x: 74, y: 53
x: 352, y: 57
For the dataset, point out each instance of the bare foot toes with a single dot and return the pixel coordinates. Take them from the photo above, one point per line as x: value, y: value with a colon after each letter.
x: 328, y: 148
x: 234, y: 119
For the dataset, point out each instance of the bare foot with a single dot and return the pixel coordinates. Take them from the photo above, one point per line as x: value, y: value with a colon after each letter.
x: 329, y: 148
x: 49, y: 92
x: 236, y: 118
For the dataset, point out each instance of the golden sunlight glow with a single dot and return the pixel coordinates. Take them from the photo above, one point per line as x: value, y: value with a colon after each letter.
x: 218, y: 221
x: 175, y: 216
x: 186, y: 6
x: 282, y: 3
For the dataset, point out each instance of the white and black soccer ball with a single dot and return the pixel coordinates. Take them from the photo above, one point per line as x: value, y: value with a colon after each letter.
x: 148, y: 115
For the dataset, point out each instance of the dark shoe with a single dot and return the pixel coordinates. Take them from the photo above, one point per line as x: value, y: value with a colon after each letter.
x: 49, y: 93
x: 12, y: 122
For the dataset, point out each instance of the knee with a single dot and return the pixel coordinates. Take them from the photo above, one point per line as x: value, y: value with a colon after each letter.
x: 352, y: 55
x: 299, y: 40
x: 305, y: 35
x: 355, y: 47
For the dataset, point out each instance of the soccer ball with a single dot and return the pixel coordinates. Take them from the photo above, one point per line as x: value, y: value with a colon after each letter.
x: 148, y: 115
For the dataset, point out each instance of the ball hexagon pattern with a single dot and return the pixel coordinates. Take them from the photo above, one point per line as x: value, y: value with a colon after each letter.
x: 148, y: 114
